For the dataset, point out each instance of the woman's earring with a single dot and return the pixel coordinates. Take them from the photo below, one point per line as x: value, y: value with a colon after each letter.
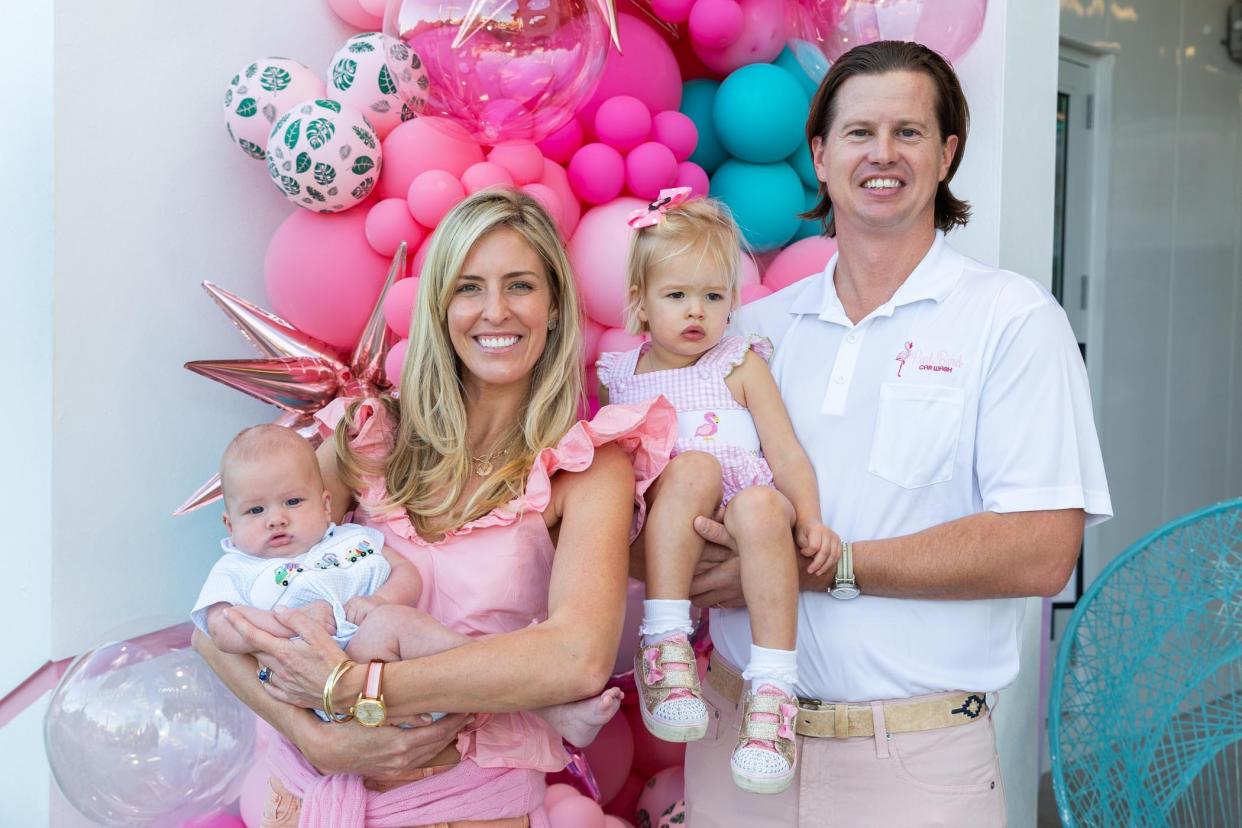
x: 551, y: 324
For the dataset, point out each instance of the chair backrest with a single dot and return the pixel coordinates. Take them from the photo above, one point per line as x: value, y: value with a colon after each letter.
x: 1145, y: 719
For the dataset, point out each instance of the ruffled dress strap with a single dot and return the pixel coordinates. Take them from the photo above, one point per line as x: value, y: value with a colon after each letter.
x: 731, y: 351
x: 614, y: 368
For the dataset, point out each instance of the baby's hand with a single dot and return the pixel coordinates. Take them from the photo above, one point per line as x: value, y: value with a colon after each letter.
x: 357, y: 609
x: 821, y: 544
x: 321, y: 613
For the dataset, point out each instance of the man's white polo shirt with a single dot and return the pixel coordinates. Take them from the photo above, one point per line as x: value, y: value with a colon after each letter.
x: 964, y: 393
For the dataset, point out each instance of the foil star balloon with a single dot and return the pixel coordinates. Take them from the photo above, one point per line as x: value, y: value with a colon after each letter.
x: 298, y: 374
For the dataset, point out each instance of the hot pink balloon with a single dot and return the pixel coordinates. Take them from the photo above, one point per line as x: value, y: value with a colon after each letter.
x: 651, y: 754
x: 648, y: 70
x: 591, y: 331
x: 597, y: 253
x: 416, y: 264
x: 423, y: 144
x: 672, y: 11
x: 805, y: 257
x: 395, y: 362
x: 322, y: 275
x: 649, y: 168
x: 661, y: 791
x: 576, y: 812
x: 399, y: 306
x: 676, y: 131
x: 389, y: 223
x: 352, y: 12
x: 485, y: 174
x: 623, y: 122
x: 762, y: 38
x: 635, y: 589
x: 626, y: 801
x: 610, y: 756
x: 690, y: 174
x: 432, y: 194
x: 597, y: 173
x: 555, y: 178
x: 949, y: 27
x: 550, y: 201
x: 714, y: 24
x: 561, y: 145
x: 522, y: 159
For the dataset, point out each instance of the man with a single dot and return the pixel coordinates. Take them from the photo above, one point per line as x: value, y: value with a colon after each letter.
x: 945, y: 408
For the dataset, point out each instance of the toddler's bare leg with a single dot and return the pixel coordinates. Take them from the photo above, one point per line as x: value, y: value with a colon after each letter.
x: 688, y: 487
x: 394, y: 632
x: 761, y: 519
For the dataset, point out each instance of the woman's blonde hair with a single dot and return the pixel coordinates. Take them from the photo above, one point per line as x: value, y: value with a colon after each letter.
x: 429, y: 465
x: 702, y: 224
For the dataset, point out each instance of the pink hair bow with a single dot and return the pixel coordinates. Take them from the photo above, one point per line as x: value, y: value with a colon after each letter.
x: 655, y: 211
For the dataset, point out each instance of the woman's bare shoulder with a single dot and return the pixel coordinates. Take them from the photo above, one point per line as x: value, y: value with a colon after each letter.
x: 609, y: 476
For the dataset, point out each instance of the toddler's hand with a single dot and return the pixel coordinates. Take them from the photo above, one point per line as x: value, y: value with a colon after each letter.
x: 821, y: 544
x: 357, y: 609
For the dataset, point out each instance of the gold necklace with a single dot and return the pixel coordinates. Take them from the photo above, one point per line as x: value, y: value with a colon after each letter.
x: 483, y: 465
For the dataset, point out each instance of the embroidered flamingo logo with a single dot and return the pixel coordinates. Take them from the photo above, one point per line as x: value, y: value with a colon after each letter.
x: 903, y: 356
x: 708, y: 430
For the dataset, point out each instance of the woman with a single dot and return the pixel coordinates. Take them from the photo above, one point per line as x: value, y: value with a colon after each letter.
x: 460, y: 475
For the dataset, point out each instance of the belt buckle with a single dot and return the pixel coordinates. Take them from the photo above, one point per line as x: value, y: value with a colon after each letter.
x: 809, y: 704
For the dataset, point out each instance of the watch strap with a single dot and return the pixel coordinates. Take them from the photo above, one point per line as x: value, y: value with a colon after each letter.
x: 371, y: 687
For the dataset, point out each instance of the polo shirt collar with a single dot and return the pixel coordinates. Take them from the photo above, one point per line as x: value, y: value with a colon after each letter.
x: 933, y: 278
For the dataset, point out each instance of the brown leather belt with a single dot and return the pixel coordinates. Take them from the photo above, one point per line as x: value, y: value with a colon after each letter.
x: 837, y: 720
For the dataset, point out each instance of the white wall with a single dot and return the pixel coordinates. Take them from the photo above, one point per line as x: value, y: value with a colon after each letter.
x: 1169, y: 389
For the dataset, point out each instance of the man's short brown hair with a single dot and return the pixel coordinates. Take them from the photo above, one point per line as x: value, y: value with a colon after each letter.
x: 952, y: 114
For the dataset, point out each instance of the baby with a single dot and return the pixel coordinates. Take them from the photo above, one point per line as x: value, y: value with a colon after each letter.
x: 284, y: 551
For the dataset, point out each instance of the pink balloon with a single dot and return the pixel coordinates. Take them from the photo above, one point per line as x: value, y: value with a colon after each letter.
x: 597, y: 252
x: 749, y: 271
x: 576, y: 812
x: 651, y: 754
x: 322, y: 275
x: 352, y: 12
x: 216, y: 819
x: 550, y: 201
x: 610, y: 756
x: 690, y: 174
x: 591, y: 331
x: 676, y: 131
x: 611, y: 821
x: 485, y: 174
x: 254, y: 791
x: 416, y: 264
x: 623, y: 122
x: 714, y: 24
x: 389, y: 223
x: 751, y: 293
x: 661, y: 791
x: 432, y: 194
x: 617, y: 339
x: 395, y: 361
x: 561, y: 145
x: 423, y: 144
x: 625, y: 803
x: 597, y: 173
x: 555, y: 178
x: 373, y: 7
x: 559, y: 793
x: 635, y: 591
x: 522, y: 159
x: 949, y: 27
x: 399, y: 305
x: 805, y: 257
x: 649, y: 168
x: 673, y: 11
x: 648, y: 70
x: 763, y: 36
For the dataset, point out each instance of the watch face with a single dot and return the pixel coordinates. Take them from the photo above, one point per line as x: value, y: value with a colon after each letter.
x: 370, y: 712
x: 843, y: 592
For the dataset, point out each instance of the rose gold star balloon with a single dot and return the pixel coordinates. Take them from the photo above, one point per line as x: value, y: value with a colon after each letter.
x: 298, y: 374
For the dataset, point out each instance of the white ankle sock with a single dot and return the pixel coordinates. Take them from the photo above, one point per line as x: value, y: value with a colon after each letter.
x: 663, y: 618
x: 776, y: 667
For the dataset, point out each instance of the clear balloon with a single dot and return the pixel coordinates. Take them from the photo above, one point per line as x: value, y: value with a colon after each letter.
x: 141, y: 732
x: 505, y: 70
x: 834, y: 27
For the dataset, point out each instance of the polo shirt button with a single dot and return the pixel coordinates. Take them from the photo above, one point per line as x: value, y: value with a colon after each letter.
x: 839, y: 380
x: 852, y: 338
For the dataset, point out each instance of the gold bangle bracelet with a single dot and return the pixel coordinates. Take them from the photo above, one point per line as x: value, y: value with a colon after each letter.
x: 330, y: 685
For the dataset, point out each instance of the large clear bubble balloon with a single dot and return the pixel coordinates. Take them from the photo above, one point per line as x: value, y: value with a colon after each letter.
x: 833, y: 27
x: 142, y: 733
x: 504, y: 69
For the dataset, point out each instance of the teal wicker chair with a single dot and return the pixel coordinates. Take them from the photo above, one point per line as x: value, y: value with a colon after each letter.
x: 1145, y: 721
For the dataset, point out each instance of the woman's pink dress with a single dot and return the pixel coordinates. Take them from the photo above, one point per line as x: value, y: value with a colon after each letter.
x: 491, y: 575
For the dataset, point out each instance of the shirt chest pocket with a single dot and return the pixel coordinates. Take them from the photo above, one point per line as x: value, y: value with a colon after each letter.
x: 916, y: 433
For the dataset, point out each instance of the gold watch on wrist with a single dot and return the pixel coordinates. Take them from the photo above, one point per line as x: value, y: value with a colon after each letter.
x: 369, y: 710
x: 843, y: 587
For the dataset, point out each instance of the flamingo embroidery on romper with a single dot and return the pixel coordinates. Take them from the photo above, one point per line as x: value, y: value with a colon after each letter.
x: 902, y: 356
x: 708, y: 430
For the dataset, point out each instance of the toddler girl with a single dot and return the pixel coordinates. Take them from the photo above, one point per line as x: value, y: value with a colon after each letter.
x: 736, y: 449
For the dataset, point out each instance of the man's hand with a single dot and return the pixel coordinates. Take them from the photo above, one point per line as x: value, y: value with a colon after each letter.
x: 359, y: 607
x: 821, y: 544
x: 717, y: 580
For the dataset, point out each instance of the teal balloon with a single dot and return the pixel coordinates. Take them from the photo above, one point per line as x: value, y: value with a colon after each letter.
x: 765, y: 200
x: 789, y: 62
x: 697, y: 98
x: 809, y: 227
x: 800, y: 160
x: 760, y: 113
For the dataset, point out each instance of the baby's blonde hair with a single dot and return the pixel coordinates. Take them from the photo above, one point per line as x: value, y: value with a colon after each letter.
x: 702, y: 224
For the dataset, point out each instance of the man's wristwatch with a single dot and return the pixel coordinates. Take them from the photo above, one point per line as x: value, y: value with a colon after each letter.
x: 369, y: 710
x: 843, y: 587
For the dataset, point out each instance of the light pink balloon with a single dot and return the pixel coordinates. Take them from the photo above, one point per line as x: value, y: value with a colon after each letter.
x: 375, y: 7
x: 673, y: 11
x: 611, y: 821
x: 762, y: 38
x: 651, y: 754
x: 714, y: 24
x: 555, y: 178
x: 432, y: 194
x: 216, y: 819
x: 423, y: 144
x: 949, y: 27
x: 550, y: 201
x: 322, y: 275
x: 561, y: 145
x: 597, y: 173
x: 649, y: 168
x: 690, y: 174
x: 618, y: 339
x: 610, y: 756
x: 648, y: 70
x: 676, y: 131
x: 576, y: 812
x: 522, y: 159
x: 748, y: 272
x: 352, y: 12
x: 389, y: 223
x: 597, y: 252
x: 394, y: 363
x: 751, y: 293
x: 662, y: 790
x: 399, y: 305
x: 623, y: 122
x: 485, y: 174
x: 805, y: 257
x: 591, y: 331
x: 559, y: 793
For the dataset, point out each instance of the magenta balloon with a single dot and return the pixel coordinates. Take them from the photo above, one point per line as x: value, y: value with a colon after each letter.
x: 505, y: 70
x: 949, y: 27
x: 597, y: 173
x: 673, y: 11
x: 623, y: 122
x: 763, y: 35
x: 611, y: 755
x: 714, y: 24
x: 485, y: 174
x: 597, y: 253
x: 690, y: 174
x: 576, y: 812
x: 648, y: 70
x: 322, y: 276
x: 522, y: 159
x: 423, y: 144
x: 394, y: 363
x: 561, y: 145
x: 805, y: 257
x: 649, y: 168
x: 432, y: 194
x: 389, y: 223
x: 555, y: 178
x: 676, y: 131
x: 399, y: 306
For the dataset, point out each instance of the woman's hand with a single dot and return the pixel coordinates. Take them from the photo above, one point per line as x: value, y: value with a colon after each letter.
x: 299, y: 666
x: 385, y: 756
